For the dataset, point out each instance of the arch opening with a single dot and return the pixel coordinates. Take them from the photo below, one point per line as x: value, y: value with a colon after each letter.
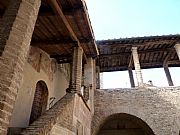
x: 40, y: 101
x: 124, y: 124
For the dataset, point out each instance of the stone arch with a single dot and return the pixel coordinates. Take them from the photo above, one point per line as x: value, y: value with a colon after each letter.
x: 125, y: 124
x: 101, y: 116
x: 40, y: 101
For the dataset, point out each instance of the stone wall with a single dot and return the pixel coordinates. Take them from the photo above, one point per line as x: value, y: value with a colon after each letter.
x: 58, y: 130
x: 39, y: 67
x: 158, y: 107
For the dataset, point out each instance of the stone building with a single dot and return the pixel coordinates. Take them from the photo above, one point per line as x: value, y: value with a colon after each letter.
x: 50, y: 68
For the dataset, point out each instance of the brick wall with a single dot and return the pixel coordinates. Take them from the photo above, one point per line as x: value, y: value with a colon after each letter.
x: 40, y: 101
x: 76, y: 76
x: 16, y: 31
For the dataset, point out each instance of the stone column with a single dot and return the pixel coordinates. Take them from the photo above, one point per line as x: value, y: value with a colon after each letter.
x: 168, y: 75
x: 16, y: 30
x: 137, y: 67
x: 89, y: 81
x: 76, y: 71
x: 97, y: 77
x: 131, y: 78
x: 177, y: 47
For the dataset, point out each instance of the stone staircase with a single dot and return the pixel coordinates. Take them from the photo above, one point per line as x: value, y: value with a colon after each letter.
x: 44, y: 124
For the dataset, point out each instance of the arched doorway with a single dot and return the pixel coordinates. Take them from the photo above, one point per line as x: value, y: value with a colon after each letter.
x: 40, y: 101
x: 124, y: 124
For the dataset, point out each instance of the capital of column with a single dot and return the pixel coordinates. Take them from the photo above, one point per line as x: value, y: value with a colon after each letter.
x: 177, y: 44
x: 177, y: 47
x: 133, y: 48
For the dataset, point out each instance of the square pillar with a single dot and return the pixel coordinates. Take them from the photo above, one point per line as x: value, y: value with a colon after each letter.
x: 137, y: 67
x: 89, y: 81
x: 16, y: 32
x: 97, y: 77
x: 131, y: 78
x: 168, y: 76
x: 76, y: 71
x: 177, y: 47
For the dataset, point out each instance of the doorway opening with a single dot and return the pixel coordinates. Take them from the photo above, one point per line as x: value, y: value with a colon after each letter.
x: 40, y: 101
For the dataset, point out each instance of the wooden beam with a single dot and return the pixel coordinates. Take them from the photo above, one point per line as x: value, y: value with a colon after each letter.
x: 73, y: 10
x: 139, y: 52
x: 57, y: 10
x: 60, y: 56
x: 52, y: 42
x: 133, y: 43
x: 114, y: 68
x: 59, y: 42
x: 165, y: 63
x: 45, y: 11
x: 175, y: 63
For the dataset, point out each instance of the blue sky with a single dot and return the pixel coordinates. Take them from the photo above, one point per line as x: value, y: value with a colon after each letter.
x: 132, y: 18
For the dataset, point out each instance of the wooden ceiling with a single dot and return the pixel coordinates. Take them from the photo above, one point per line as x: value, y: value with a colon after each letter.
x: 154, y: 52
x: 61, y: 25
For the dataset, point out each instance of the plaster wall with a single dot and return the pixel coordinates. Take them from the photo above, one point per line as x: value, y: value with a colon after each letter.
x: 55, y: 76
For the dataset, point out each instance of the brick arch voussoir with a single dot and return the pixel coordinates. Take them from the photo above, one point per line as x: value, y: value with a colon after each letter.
x: 100, y: 117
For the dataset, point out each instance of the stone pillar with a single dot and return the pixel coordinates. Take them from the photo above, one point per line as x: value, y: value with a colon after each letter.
x: 177, y: 47
x: 168, y: 75
x: 131, y: 78
x: 97, y: 77
x: 137, y: 67
x: 76, y: 71
x: 16, y: 30
x: 89, y: 81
